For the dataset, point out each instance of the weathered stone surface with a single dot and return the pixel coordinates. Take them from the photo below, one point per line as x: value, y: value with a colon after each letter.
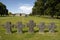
x: 52, y: 27
x: 19, y: 27
x: 8, y: 28
x: 41, y: 27
x: 31, y: 26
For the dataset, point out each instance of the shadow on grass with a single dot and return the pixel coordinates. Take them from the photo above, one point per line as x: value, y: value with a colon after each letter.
x: 56, y: 31
x: 36, y: 31
x: 22, y: 31
x: 48, y: 31
x: 57, y: 18
x: 25, y: 31
x: 14, y: 31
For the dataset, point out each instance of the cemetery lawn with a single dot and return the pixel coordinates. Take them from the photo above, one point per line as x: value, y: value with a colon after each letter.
x: 25, y: 35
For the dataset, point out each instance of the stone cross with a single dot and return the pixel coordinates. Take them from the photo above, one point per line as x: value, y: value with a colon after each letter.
x: 52, y: 27
x: 8, y: 28
x: 41, y: 27
x: 19, y: 27
x: 31, y: 26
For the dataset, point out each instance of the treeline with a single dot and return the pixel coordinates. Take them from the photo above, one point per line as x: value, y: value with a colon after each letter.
x: 3, y: 10
x: 41, y: 7
x: 46, y: 7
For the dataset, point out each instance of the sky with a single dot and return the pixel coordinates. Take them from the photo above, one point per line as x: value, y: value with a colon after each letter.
x: 19, y: 6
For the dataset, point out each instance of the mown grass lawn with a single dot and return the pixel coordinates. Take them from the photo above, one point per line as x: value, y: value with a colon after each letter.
x: 26, y: 35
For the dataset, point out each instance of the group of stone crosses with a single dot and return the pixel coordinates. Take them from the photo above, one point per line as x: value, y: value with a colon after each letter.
x: 31, y: 24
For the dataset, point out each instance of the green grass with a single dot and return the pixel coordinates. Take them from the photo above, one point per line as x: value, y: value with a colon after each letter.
x: 26, y: 35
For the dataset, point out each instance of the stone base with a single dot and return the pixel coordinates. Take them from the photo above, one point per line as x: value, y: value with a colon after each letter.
x: 41, y: 32
x: 8, y: 33
x: 19, y: 32
x: 51, y: 31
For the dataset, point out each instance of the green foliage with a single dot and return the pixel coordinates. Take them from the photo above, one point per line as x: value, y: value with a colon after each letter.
x: 9, y: 13
x: 46, y: 7
x: 38, y: 8
x: 57, y: 9
x: 3, y: 10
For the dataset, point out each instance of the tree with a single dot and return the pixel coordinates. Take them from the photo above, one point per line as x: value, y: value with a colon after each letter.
x: 9, y: 13
x: 51, y: 5
x: 3, y: 10
x: 46, y: 7
x: 57, y: 10
x: 38, y: 8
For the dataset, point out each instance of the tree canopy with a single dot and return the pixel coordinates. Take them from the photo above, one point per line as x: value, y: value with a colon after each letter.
x: 3, y: 9
x: 46, y: 7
